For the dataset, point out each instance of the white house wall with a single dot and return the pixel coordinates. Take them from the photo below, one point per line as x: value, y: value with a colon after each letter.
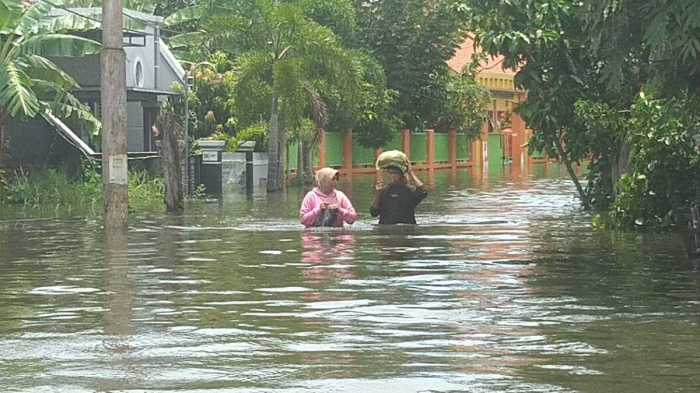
x: 145, y: 54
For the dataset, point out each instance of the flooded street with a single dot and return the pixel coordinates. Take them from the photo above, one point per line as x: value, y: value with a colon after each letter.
x: 504, y: 287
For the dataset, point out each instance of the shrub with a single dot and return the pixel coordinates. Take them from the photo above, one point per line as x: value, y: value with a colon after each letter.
x: 664, y: 165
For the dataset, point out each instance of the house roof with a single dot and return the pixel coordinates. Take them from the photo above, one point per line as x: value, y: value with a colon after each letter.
x: 463, y: 57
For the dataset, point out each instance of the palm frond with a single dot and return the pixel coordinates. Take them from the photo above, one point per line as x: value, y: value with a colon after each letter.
x: 16, y: 95
x: 44, y: 69
x: 10, y: 13
x: 185, y: 15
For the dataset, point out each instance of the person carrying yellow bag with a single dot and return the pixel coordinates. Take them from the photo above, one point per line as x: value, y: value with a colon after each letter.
x: 396, y: 202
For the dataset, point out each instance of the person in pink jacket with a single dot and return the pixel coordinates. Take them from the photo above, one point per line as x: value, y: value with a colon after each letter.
x: 324, y: 205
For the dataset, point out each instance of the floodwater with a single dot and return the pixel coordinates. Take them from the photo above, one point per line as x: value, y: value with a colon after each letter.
x: 504, y: 287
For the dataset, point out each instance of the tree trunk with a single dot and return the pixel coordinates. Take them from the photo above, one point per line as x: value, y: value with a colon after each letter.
x: 564, y: 156
x: 274, y: 172
x: 171, y: 156
x: 620, y: 164
x: 307, y: 166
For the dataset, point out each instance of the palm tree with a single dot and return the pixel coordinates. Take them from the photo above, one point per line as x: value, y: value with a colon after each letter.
x: 30, y: 83
x: 280, y: 51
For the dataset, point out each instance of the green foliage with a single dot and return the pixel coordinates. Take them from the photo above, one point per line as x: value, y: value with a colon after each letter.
x: 663, y: 179
x: 413, y: 39
x: 255, y: 132
x: 658, y: 37
x: 465, y: 106
x: 211, y: 105
x: 30, y: 83
x: 52, y: 192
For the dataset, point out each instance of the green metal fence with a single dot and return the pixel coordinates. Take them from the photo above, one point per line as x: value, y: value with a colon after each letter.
x: 418, y: 148
x: 495, y: 151
x: 362, y: 156
x: 334, y: 148
x: 396, y: 143
x: 442, y: 147
x: 463, y: 147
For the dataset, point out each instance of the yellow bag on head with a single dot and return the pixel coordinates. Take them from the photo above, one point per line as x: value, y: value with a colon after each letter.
x: 392, y: 158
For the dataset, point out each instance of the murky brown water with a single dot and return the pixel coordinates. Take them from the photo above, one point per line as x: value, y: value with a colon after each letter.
x: 505, y: 287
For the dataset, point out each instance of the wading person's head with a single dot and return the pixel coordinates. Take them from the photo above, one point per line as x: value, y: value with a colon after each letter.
x: 327, y: 179
x: 396, y: 175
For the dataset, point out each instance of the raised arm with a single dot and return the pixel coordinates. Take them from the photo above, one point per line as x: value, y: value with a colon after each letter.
x: 375, y: 209
x: 345, y: 208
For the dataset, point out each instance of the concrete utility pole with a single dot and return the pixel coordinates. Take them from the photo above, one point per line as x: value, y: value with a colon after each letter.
x: 114, y: 125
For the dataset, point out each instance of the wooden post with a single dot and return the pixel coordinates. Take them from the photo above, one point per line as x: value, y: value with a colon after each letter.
x: 347, y: 152
x: 453, y: 148
x: 430, y: 148
x: 113, y: 104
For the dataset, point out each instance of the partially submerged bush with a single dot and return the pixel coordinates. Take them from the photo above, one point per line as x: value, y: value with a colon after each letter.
x: 664, y: 175
x: 52, y: 192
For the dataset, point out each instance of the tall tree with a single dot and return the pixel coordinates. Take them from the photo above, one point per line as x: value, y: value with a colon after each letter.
x: 278, y: 48
x: 413, y: 39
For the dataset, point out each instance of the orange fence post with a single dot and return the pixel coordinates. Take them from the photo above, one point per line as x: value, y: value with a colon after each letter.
x: 453, y: 148
x: 406, y: 145
x: 519, y: 139
x: 347, y: 152
x: 322, y: 148
x: 430, y: 148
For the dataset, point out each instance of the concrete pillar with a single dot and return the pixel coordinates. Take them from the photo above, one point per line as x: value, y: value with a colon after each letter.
x: 322, y: 148
x: 453, y: 148
x: 430, y: 148
x: 406, y: 142
x: 347, y: 152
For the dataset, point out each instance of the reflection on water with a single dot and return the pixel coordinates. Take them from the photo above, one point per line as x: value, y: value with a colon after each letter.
x: 504, y: 287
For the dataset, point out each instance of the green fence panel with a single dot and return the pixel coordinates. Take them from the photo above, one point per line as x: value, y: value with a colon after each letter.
x: 396, y: 143
x: 418, y: 151
x: 463, y: 147
x: 334, y: 148
x: 362, y: 156
x: 442, y: 147
x: 537, y: 154
x: 495, y: 151
x: 292, y: 156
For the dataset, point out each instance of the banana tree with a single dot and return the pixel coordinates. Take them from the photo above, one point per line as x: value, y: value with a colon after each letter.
x: 30, y: 83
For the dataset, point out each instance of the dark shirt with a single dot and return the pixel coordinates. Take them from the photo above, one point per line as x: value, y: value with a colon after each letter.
x: 397, y: 205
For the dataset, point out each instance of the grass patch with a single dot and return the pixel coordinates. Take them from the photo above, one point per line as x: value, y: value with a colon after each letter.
x: 52, y: 192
